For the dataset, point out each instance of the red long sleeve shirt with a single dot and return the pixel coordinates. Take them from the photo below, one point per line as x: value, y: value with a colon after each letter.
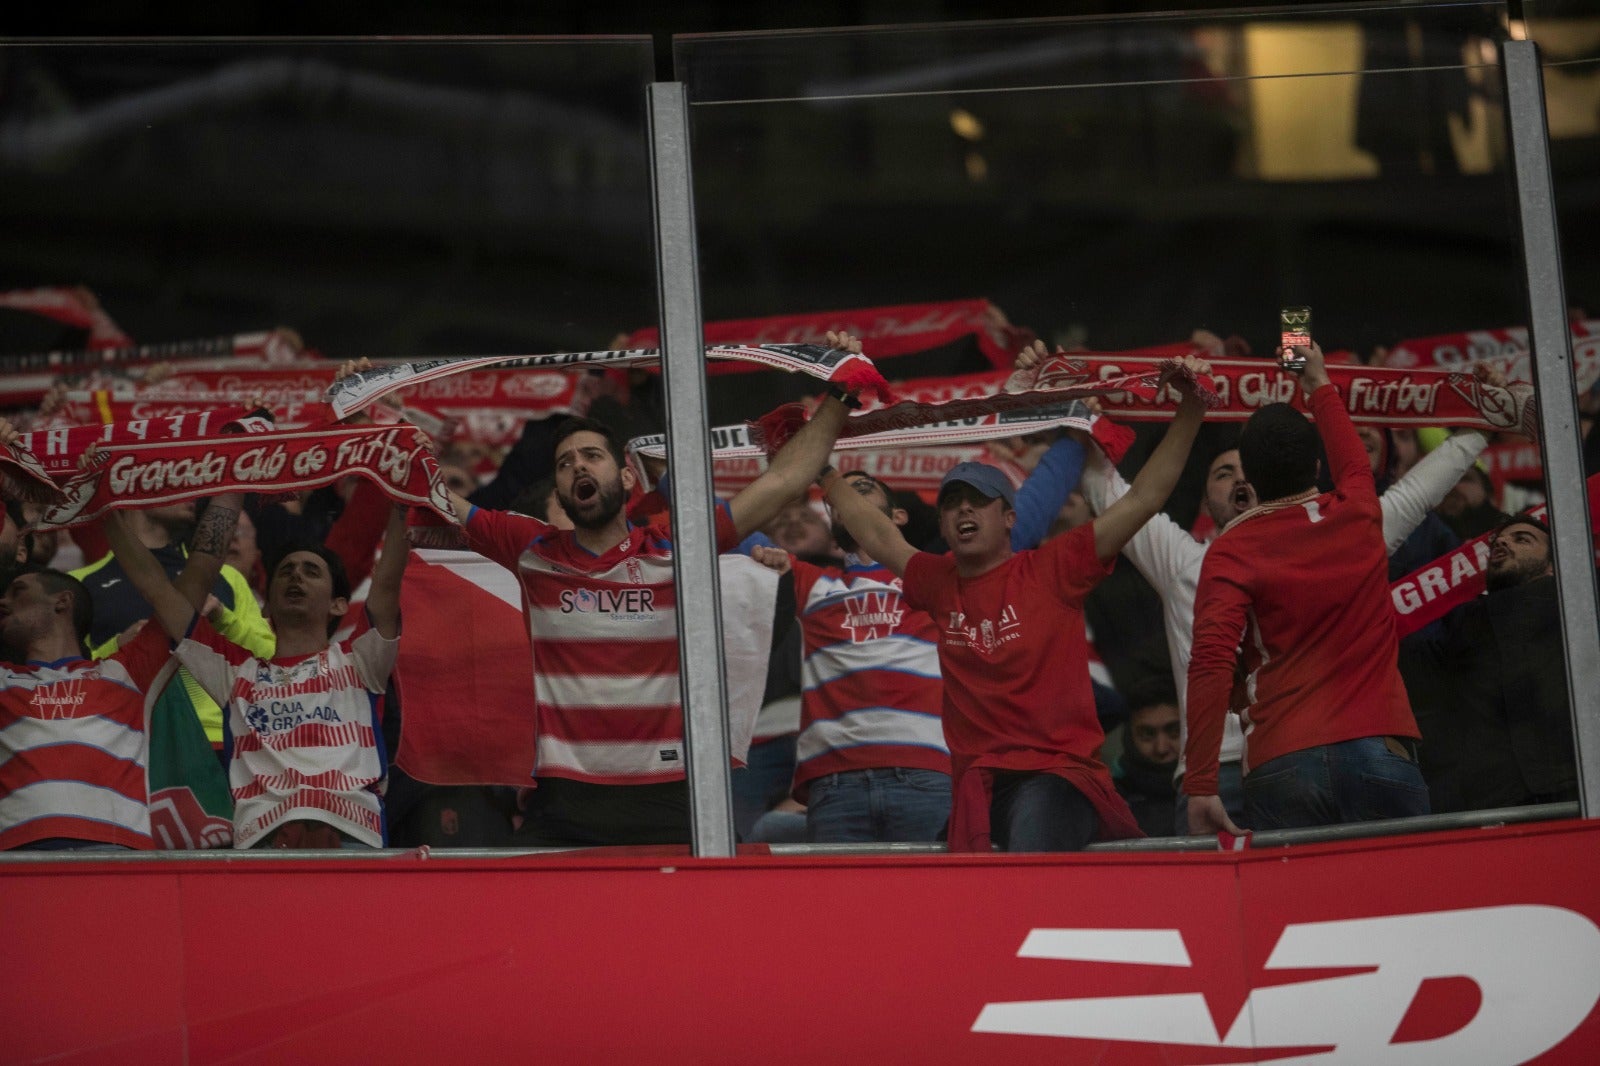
x: 1305, y: 587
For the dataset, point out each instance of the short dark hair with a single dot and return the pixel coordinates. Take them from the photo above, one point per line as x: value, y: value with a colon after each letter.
x: 330, y: 558
x: 337, y: 575
x: 589, y: 425
x: 1278, y: 449
x: 1151, y: 690
x: 55, y: 581
x: 1521, y: 520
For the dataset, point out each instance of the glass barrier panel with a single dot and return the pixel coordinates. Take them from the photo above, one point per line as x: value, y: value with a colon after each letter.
x: 1118, y: 186
x: 248, y: 213
x: 1568, y: 37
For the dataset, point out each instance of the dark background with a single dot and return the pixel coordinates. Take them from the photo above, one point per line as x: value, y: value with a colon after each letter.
x: 408, y: 197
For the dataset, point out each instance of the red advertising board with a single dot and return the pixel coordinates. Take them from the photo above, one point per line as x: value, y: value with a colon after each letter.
x: 1477, y: 946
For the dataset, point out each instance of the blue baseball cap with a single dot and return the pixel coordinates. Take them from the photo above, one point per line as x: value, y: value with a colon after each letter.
x: 983, y: 477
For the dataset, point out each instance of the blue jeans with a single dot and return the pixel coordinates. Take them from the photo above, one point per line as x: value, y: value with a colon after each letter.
x: 69, y: 844
x: 1230, y: 786
x: 779, y: 827
x: 882, y: 804
x: 762, y: 781
x: 1039, y: 812
x: 1352, y: 781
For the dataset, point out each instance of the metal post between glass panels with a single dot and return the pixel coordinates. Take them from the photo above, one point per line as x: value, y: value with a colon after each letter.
x: 1560, y: 444
x: 694, y: 558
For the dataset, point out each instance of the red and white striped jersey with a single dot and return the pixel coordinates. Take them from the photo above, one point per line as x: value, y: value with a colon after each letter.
x: 302, y: 732
x: 605, y: 646
x: 870, y: 676
x: 73, y: 747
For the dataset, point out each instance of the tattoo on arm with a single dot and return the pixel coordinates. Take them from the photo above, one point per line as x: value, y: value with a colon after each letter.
x: 215, y: 530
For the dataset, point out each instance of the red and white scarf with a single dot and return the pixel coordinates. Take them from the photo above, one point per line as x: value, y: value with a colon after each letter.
x: 104, y: 407
x: 1520, y: 461
x: 1372, y: 395
x: 904, y: 329
x: 75, y: 307
x: 851, y: 372
x: 23, y: 477
x: 59, y: 450
x: 1506, y: 348
x: 25, y: 378
x: 1042, y: 390
x: 149, y: 474
x: 488, y: 405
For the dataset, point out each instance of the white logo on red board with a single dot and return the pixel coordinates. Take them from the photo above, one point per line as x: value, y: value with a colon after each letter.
x: 1536, y: 968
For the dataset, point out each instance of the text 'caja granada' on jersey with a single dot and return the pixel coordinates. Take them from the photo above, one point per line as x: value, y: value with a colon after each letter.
x: 303, y: 732
x: 605, y: 646
x: 73, y: 748
x: 870, y: 676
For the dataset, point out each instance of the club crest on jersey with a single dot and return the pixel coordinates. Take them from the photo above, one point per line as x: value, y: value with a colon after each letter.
x: 987, y: 635
x: 872, y: 615
x: 635, y: 571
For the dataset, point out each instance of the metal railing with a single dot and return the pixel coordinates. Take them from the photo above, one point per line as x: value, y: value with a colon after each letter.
x: 1272, y: 838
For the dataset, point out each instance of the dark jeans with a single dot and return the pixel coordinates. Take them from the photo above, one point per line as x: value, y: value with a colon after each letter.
x: 563, y: 813
x: 1352, y: 781
x: 69, y: 844
x: 881, y: 804
x: 1039, y: 812
x: 762, y: 781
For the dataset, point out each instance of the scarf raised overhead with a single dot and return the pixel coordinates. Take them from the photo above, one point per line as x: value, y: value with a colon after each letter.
x: 152, y: 473
x: 849, y: 371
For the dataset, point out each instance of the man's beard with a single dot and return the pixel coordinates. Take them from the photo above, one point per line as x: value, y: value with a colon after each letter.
x: 11, y: 650
x: 1511, y: 576
x: 610, y: 497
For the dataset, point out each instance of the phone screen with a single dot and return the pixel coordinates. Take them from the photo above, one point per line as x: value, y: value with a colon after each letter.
x: 1294, y: 327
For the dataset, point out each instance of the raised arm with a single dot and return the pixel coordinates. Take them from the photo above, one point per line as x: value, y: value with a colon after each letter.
x: 1051, y: 481
x: 1045, y: 492
x: 175, y: 602
x: 383, y: 598
x: 1347, y: 458
x: 797, y: 464
x: 1159, y: 475
x: 1408, y: 501
x: 873, y: 530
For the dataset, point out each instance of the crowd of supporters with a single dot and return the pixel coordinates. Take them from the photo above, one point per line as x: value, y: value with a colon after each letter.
x: 975, y: 668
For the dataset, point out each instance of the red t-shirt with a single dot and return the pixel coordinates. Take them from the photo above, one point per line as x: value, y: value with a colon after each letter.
x: 1306, y: 588
x: 1015, y: 661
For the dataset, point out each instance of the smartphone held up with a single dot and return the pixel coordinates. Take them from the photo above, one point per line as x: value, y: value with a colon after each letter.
x: 1294, y: 326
